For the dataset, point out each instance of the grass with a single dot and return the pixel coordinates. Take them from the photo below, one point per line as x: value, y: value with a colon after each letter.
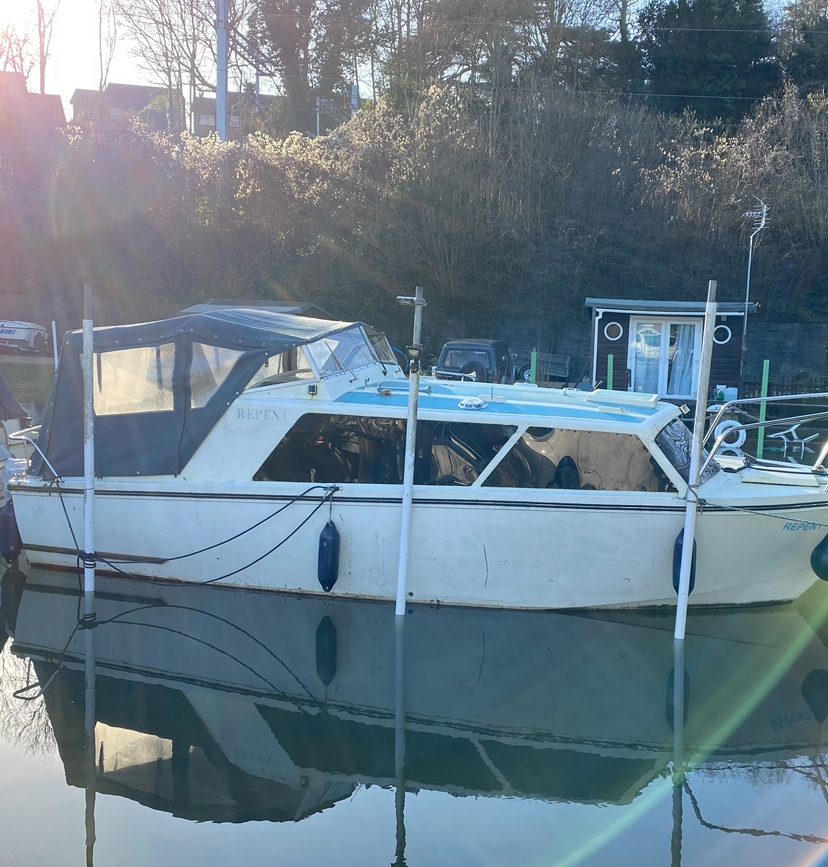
x: 31, y: 381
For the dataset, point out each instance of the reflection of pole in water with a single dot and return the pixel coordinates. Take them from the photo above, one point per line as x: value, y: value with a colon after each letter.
x: 399, y: 739
x: 89, y: 706
x: 678, y: 750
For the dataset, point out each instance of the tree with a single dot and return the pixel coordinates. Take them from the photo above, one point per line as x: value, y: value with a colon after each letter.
x: 16, y: 54
x: 313, y: 42
x: 107, y: 39
x: 714, y: 57
x: 46, y: 12
x: 175, y: 41
x: 806, y: 47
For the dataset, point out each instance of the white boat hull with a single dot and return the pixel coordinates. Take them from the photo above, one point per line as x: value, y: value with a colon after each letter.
x: 491, y: 547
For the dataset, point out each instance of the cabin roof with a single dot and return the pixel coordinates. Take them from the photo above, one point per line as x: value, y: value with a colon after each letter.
x: 558, y: 405
x: 233, y: 327
x: 730, y: 308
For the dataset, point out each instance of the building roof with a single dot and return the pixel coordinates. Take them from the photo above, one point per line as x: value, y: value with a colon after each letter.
x: 28, y: 110
x: 731, y: 308
x: 132, y: 96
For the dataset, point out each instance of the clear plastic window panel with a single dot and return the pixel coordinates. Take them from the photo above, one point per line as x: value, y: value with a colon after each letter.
x: 344, y: 351
x: 209, y: 367
x: 284, y: 367
x: 135, y: 380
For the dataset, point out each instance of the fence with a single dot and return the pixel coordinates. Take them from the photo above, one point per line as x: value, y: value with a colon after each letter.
x: 785, y: 385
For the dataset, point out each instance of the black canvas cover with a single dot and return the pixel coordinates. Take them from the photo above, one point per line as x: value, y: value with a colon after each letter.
x: 162, y: 442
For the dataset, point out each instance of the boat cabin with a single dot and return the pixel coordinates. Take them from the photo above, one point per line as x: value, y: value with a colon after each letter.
x: 654, y: 347
x: 161, y: 387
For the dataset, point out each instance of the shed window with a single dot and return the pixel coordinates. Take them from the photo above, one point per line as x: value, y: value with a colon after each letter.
x: 579, y: 460
x: 134, y: 380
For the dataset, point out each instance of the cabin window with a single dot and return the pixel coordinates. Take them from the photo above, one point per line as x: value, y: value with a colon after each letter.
x: 134, y: 380
x: 451, y: 453
x: 343, y: 351
x: 676, y: 441
x: 284, y: 367
x: 336, y: 449
x: 578, y: 460
x: 209, y: 367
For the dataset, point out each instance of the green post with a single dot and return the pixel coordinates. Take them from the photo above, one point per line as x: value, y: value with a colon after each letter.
x: 610, y: 370
x: 763, y: 408
x: 533, y: 367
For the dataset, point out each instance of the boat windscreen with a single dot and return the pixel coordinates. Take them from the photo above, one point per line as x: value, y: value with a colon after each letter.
x: 344, y: 351
x: 676, y: 441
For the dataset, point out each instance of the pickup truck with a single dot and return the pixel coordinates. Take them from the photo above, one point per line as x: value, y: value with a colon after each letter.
x: 479, y: 360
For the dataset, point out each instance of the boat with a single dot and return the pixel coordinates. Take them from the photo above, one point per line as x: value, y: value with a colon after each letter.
x: 263, y: 450
x: 234, y: 705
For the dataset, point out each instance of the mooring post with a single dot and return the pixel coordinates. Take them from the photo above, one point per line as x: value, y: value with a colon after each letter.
x: 691, y: 506
x: 88, y: 461
x: 55, y: 348
x: 763, y: 409
x: 414, y: 359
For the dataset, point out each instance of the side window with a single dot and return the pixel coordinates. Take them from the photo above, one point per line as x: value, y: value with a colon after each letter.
x: 334, y: 449
x: 284, y: 367
x: 135, y: 380
x: 209, y: 367
x: 579, y: 460
x: 456, y: 453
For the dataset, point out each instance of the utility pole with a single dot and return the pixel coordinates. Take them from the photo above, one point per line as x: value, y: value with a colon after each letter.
x: 221, y: 69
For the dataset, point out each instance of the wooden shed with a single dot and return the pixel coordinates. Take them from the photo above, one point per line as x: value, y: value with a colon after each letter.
x: 655, y: 346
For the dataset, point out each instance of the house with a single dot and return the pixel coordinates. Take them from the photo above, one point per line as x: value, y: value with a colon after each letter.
x: 655, y: 346
x: 243, y: 110
x: 25, y: 113
x: 118, y: 105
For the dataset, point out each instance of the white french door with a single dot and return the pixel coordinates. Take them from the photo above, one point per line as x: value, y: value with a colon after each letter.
x: 664, y: 355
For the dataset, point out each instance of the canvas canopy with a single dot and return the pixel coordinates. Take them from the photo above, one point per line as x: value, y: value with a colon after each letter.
x: 160, y: 387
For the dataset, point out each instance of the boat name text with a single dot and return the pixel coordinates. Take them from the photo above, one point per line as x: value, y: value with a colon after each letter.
x: 257, y: 414
x: 799, y: 526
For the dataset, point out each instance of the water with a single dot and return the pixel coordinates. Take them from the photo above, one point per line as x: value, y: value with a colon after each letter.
x: 235, y: 727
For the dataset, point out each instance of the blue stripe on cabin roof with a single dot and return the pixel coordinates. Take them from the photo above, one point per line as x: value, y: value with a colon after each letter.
x: 449, y: 403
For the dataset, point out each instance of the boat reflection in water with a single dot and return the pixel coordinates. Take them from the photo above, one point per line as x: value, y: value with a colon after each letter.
x: 227, y: 706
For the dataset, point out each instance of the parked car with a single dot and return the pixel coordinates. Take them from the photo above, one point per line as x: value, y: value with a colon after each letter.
x: 477, y: 359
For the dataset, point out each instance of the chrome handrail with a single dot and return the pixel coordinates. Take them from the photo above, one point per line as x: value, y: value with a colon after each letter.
x: 723, y: 408
x: 761, y: 424
x: 23, y: 436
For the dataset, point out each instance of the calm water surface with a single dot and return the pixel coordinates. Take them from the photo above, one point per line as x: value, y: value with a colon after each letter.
x: 202, y: 725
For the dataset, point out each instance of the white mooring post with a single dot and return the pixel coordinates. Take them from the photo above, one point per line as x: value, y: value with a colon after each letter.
x: 691, y: 508
x: 414, y: 354
x: 55, y: 347
x: 88, y: 461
